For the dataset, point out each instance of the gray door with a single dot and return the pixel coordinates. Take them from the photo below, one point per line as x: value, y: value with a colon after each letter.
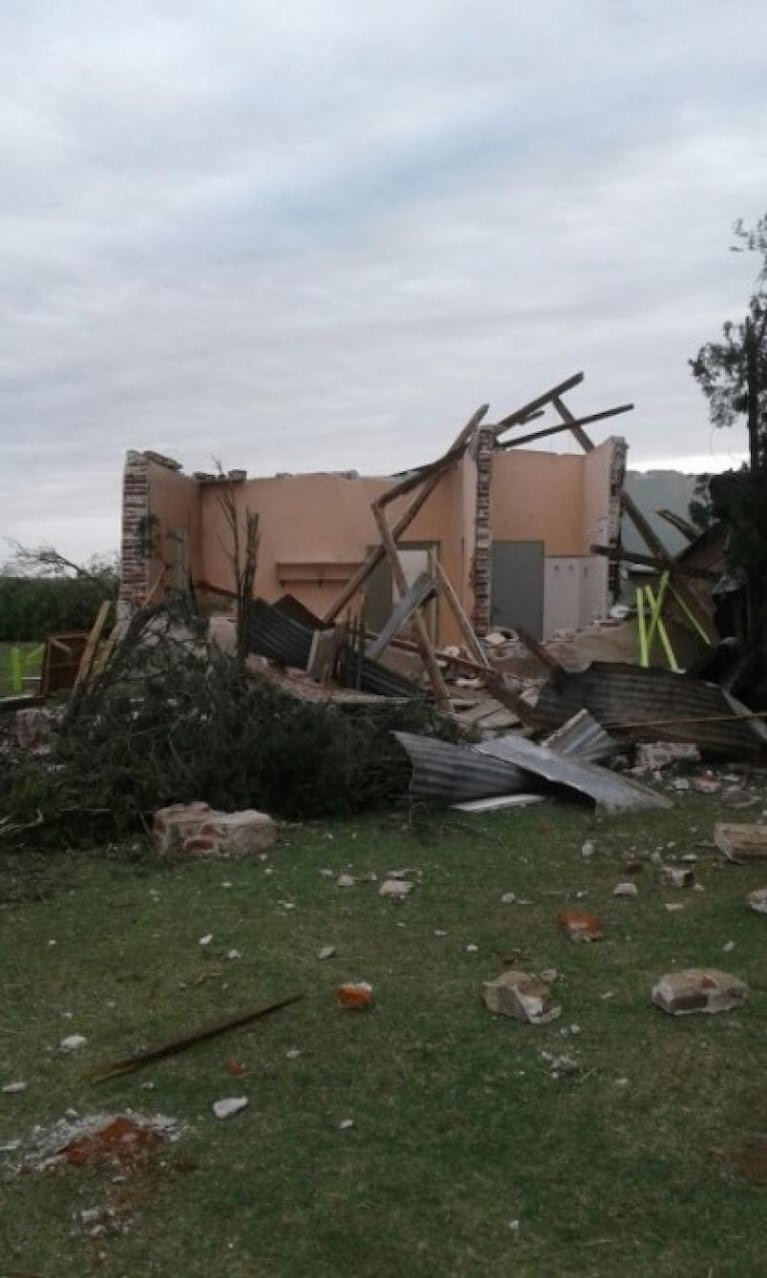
x: 517, y: 586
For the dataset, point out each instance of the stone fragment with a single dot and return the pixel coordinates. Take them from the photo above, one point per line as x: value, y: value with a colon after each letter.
x: 741, y: 843
x: 397, y: 888
x: 698, y: 989
x: 345, y: 881
x: 674, y: 876
x: 196, y: 829
x: 522, y: 996
x: 625, y: 889
x: 758, y: 900
x: 33, y: 728
x: 588, y: 849
x: 326, y: 952
x: 706, y: 784
x: 10, y: 1089
x: 229, y: 1105
x: 578, y: 925
x: 655, y: 755
x: 355, y: 995
x: 72, y: 1043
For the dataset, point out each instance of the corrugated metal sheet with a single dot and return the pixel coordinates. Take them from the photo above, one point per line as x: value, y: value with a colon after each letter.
x: 618, y: 695
x: 446, y: 773
x: 274, y: 634
x: 274, y: 631
x: 583, y: 738
x: 373, y: 677
x: 610, y: 790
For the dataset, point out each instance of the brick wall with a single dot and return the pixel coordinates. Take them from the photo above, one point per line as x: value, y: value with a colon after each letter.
x: 484, y: 448
x: 134, y: 575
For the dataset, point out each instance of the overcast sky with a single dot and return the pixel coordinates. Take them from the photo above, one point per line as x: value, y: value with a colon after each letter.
x: 301, y: 236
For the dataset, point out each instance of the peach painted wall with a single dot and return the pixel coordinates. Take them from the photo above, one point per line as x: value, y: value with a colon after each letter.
x: 325, y: 520
x: 174, y: 499
x: 539, y: 497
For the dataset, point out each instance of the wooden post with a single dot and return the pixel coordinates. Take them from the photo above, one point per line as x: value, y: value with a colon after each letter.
x: 89, y: 652
x: 464, y: 625
x: 378, y: 553
x: 400, y: 580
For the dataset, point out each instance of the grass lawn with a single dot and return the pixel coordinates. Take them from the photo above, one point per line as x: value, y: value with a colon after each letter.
x: 458, y: 1126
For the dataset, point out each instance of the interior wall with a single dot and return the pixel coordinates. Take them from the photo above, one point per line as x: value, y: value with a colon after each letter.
x: 314, y: 530
x: 175, y: 530
x: 539, y: 497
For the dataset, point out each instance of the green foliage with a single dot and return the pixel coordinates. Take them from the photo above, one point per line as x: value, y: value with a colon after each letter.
x: 32, y: 607
x: 732, y: 373
x: 171, y: 722
x: 700, y: 510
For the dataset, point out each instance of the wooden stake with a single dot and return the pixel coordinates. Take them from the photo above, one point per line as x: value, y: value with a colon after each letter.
x: 89, y: 652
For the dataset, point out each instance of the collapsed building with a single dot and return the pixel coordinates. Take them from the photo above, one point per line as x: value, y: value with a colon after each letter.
x: 512, y: 531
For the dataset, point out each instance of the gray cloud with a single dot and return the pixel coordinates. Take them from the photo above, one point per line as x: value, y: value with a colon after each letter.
x: 307, y: 235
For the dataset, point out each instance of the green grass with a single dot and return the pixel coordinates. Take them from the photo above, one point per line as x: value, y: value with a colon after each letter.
x: 458, y: 1127
x: 6, y: 685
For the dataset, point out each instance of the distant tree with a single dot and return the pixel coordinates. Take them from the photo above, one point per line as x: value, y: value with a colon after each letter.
x: 42, y: 592
x: 699, y: 510
x: 732, y: 373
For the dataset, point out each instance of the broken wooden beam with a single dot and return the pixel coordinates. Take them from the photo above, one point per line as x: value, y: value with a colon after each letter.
x: 422, y: 589
x: 556, y: 430
x: 653, y: 561
x: 378, y: 553
x: 540, y: 401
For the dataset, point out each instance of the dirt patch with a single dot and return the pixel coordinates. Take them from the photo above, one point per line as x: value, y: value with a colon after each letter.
x: 119, y: 1142
x: 749, y: 1160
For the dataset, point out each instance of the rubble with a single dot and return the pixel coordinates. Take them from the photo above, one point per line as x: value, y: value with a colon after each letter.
x: 521, y: 996
x: 676, y: 877
x: 698, y: 990
x: 579, y: 926
x: 355, y: 996
x: 653, y: 756
x: 396, y: 888
x: 196, y: 828
x: 116, y: 1141
x: 756, y: 900
x: 625, y: 889
x: 229, y: 1106
x: 741, y: 843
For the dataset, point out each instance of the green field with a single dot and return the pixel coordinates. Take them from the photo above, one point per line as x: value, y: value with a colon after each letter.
x: 31, y: 668
x: 649, y: 1161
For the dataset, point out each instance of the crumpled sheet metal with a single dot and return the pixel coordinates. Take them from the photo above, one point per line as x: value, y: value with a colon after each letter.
x: 447, y: 773
x: 584, y: 737
x: 618, y: 694
x: 610, y: 790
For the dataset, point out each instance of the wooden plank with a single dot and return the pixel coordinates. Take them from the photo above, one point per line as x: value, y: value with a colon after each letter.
x: 322, y: 654
x: 581, y: 421
x: 424, y: 642
x: 464, y: 625
x: 404, y: 521
x: 682, y: 525
x: 527, y: 410
x: 89, y: 652
x: 455, y: 450
x: 653, y: 561
x: 422, y: 588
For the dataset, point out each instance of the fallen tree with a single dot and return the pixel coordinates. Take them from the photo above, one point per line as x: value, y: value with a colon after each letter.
x: 170, y: 719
